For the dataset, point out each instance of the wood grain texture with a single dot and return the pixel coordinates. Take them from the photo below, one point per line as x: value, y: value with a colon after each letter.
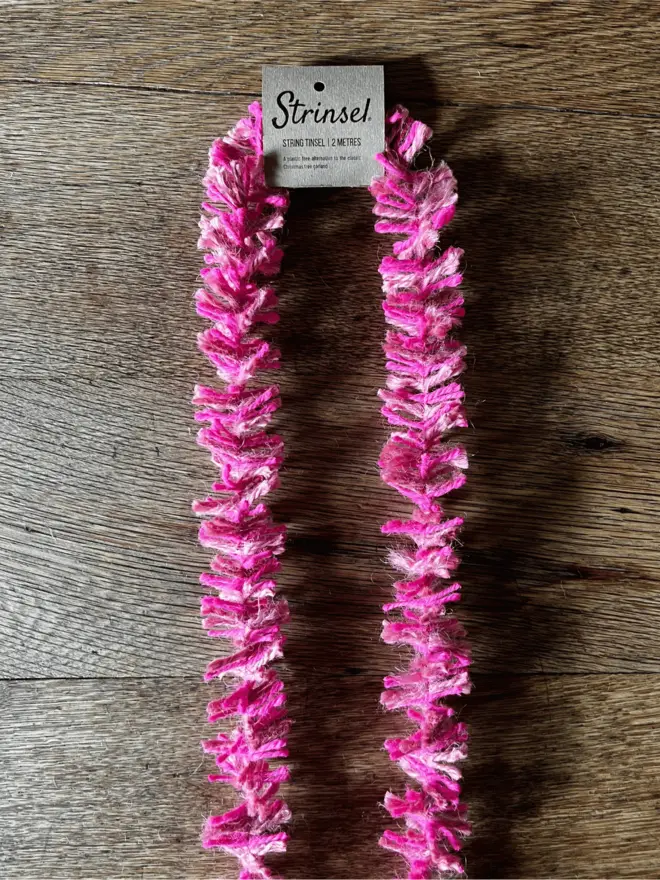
x: 105, y: 780
x: 100, y: 557
x: 548, y: 113
x: 96, y: 407
x: 577, y: 55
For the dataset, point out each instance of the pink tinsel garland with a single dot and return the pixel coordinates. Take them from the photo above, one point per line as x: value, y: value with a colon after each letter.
x: 241, y: 254
x: 423, y: 404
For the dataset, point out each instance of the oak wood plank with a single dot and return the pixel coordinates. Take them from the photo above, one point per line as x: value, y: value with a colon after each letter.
x: 104, y: 780
x: 100, y: 560
x: 595, y: 57
x: 99, y: 552
x: 106, y: 113
x: 559, y: 219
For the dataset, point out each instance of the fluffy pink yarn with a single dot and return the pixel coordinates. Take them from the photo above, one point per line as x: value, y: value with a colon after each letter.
x: 423, y: 403
x: 241, y: 253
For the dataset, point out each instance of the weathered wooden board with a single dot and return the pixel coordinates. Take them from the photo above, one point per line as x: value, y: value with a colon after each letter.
x: 548, y: 113
x: 100, y: 561
x: 105, y: 779
x: 559, y: 217
x: 98, y: 339
x: 578, y: 55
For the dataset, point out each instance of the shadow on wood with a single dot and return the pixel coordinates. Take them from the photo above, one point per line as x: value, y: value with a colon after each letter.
x: 510, y: 227
x: 332, y: 296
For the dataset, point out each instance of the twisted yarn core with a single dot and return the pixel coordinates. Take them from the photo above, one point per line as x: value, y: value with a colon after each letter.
x: 422, y: 403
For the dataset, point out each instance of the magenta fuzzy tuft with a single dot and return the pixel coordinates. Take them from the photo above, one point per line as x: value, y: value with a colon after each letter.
x: 423, y: 403
x: 238, y: 229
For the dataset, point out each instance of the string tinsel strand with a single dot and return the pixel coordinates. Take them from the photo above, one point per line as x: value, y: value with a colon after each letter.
x: 423, y: 403
x: 238, y: 228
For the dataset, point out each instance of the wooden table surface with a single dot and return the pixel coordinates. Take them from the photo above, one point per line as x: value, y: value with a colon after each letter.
x: 548, y: 112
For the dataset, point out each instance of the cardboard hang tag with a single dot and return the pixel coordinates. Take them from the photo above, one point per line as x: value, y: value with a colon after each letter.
x: 322, y: 126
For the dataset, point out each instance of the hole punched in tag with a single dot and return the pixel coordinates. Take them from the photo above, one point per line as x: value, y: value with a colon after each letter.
x: 319, y: 86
